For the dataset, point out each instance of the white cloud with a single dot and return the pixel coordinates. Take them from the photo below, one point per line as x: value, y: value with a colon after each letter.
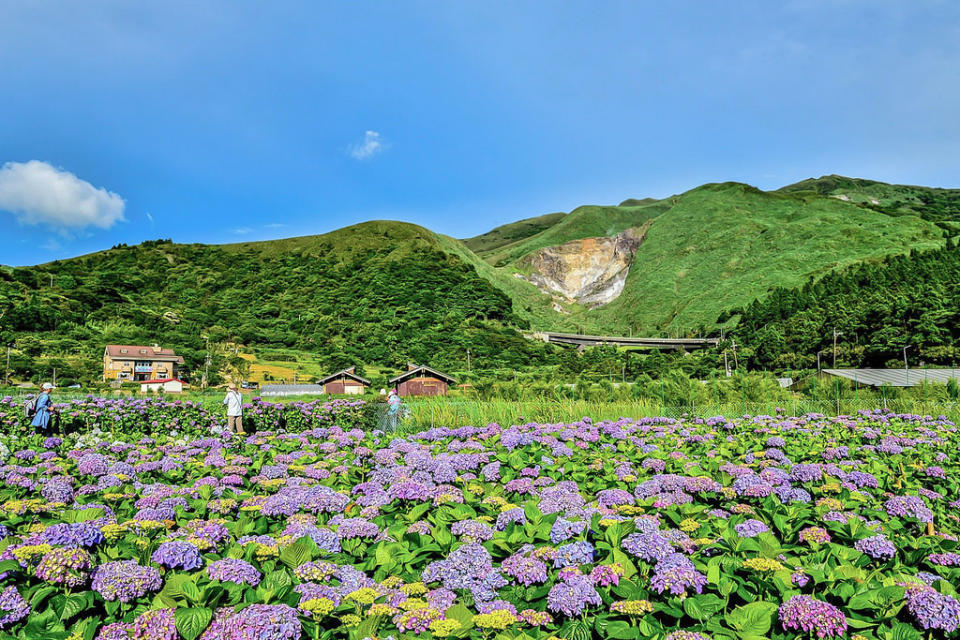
x: 51, y: 244
x: 149, y: 217
x: 242, y: 231
x: 372, y: 145
x: 39, y: 193
x: 274, y: 225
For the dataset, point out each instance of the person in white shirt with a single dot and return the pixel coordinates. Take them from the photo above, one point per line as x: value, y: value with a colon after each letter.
x: 234, y: 402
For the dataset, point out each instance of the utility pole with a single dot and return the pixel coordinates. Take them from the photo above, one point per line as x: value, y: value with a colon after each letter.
x: 835, y: 334
x: 206, y: 370
x: 906, y: 365
x: 736, y: 364
x: 468, y: 360
x: 54, y: 376
x: 726, y: 363
x: 6, y: 377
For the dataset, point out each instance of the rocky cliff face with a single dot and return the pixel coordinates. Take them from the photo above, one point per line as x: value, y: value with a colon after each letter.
x: 591, y: 271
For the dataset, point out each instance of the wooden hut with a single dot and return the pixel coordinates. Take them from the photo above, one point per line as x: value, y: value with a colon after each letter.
x: 420, y: 380
x: 344, y: 382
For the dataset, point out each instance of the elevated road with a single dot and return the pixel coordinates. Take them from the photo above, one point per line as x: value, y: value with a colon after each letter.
x: 575, y: 339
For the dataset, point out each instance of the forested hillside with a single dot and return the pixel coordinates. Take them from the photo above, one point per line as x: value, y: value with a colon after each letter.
x: 382, y: 293
x: 878, y: 308
x: 376, y: 293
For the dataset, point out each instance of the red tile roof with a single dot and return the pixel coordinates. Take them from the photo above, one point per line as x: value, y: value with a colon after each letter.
x: 133, y: 352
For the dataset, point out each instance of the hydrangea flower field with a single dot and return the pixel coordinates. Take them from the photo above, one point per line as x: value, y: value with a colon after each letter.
x: 686, y: 529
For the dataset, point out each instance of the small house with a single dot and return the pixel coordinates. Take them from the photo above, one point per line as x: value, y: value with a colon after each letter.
x: 420, y: 380
x: 167, y: 385
x: 344, y: 382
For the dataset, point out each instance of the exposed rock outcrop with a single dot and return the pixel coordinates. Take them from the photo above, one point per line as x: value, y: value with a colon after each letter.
x: 590, y: 271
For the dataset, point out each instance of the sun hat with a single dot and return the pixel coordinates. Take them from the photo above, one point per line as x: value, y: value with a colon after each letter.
x: 47, y: 386
x: 232, y: 385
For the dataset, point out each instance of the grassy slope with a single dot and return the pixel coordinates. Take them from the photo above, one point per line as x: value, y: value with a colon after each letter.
x: 583, y: 222
x: 936, y: 205
x: 722, y: 246
x: 513, y: 232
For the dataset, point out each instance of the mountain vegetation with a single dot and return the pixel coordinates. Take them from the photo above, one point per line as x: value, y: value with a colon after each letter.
x: 380, y: 292
x: 780, y: 269
x: 876, y: 308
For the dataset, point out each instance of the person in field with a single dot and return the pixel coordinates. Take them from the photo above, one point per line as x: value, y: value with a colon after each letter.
x: 43, y: 409
x: 234, y: 403
x: 393, y: 409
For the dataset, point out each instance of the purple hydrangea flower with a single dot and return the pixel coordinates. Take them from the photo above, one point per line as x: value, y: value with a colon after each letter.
x: 570, y: 597
x: 14, y: 607
x: 877, y: 547
x: 177, y: 554
x: 125, y: 580
x: 804, y: 613
x: 750, y: 528
x: 234, y: 570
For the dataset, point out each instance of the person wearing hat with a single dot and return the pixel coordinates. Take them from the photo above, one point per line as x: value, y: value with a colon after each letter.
x: 393, y: 409
x: 44, y: 409
x: 234, y: 402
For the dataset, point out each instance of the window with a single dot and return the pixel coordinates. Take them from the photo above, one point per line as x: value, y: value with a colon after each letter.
x: 123, y: 350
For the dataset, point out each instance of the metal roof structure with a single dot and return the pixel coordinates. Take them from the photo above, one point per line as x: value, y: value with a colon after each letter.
x: 345, y: 373
x: 421, y: 370
x: 291, y: 390
x: 896, y: 377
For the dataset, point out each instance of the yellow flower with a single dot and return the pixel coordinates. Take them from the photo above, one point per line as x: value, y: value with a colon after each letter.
x: 830, y: 488
x: 507, y: 506
x: 832, y: 504
x: 113, y: 531
x: 485, y: 518
x: 632, y: 607
x: 412, y: 604
x: 763, y: 564
x: 392, y: 582
x: 728, y: 493
x: 380, y: 609
x: 366, y: 595
x: 318, y: 606
x: 350, y: 620
x: 443, y: 628
x: 37, y: 528
x: 499, y: 619
x: 28, y: 552
x: 629, y: 478
x: 266, y: 551
x: 689, y: 524
x: 414, y: 589
x: 608, y: 522
x: 251, y: 507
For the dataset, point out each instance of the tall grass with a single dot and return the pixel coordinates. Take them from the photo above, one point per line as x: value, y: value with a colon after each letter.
x: 436, y: 412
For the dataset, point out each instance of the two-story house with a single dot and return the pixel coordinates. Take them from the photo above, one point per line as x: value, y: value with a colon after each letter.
x: 136, y: 363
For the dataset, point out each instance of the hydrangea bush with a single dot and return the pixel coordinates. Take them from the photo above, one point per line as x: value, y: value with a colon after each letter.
x: 679, y: 529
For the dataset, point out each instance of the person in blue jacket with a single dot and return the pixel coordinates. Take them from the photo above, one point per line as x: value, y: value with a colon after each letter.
x: 44, y: 409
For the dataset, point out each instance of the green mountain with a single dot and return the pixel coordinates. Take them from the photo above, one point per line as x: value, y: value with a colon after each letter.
x: 935, y: 205
x: 382, y: 293
x: 379, y: 292
x: 513, y: 232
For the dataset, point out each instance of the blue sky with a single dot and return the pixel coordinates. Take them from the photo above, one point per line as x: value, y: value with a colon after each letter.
x: 228, y: 121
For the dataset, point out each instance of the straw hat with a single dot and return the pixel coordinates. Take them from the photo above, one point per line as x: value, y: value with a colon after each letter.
x: 232, y: 385
x: 47, y: 386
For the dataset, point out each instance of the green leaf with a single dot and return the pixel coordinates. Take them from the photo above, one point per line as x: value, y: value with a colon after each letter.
x: 752, y: 619
x: 702, y: 607
x: 462, y: 615
x: 192, y: 621
x: 622, y: 630
x: 190, y: 590
x: 298, y: 553
x: 74, y: 604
